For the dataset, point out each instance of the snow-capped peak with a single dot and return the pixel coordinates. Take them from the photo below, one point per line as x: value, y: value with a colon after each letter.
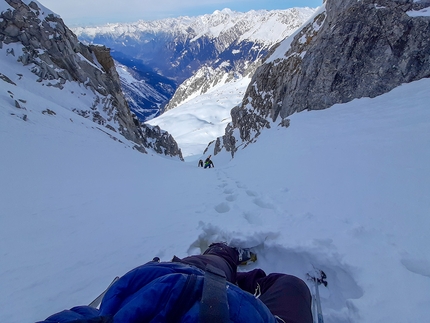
x: 212, y: 25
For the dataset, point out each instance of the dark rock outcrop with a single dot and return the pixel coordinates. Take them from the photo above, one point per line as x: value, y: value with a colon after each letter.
x: 56, y: 56
x: 352, y: 49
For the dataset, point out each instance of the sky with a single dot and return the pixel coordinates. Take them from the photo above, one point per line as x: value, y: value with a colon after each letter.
x: 344, y: 190
x: 96, y: 12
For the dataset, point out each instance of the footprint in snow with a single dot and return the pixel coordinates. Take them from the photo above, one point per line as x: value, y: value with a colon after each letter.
x: 253, y: 218
x: 263, y: 203
x: 251, y: 193
x: 231, y: 198
x: 228, y: 191
x: 240, y: 185
x: 222, y: 207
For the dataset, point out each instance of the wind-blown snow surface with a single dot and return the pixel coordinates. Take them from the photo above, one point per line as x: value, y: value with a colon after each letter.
x: 344, y: 190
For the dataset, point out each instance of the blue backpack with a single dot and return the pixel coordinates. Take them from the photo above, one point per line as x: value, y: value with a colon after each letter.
x: 171, y: 292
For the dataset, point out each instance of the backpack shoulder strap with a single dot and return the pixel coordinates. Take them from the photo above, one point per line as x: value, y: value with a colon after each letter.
x: 214, y: 303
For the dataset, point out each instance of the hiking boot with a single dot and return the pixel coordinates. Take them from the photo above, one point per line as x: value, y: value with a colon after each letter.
x: 246, y: 256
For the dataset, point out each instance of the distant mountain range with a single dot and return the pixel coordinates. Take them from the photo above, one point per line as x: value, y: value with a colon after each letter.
x: 158, y: 56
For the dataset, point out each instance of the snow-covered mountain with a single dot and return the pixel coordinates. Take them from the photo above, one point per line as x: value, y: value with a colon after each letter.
x: 349, y: 49
x: 41, y: 57
x: 225, y: 42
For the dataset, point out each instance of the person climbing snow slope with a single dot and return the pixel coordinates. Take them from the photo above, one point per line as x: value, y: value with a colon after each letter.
x: 208, y: 162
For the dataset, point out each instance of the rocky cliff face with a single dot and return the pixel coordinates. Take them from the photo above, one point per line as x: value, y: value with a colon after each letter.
x: 350, y: 49
x: 56, y: 56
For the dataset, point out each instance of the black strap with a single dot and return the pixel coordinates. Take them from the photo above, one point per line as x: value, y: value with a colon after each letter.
x: 214, y: 303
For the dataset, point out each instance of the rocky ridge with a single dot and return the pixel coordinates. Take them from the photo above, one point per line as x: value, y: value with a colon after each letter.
x: 55, y: 55
x: 207, y: 77
x: 350, y: 49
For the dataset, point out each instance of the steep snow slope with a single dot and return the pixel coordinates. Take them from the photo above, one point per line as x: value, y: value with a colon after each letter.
x: 344, y: 190
x: 202, y: 118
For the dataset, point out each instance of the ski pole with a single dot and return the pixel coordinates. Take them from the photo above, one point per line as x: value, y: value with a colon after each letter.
x: 319, y: 309
x: 316, y: 298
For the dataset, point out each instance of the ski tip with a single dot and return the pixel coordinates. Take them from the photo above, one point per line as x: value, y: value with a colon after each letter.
x: 252, y: 259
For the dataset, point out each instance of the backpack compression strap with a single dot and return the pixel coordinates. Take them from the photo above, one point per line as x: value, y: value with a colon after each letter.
x: 214, y: 303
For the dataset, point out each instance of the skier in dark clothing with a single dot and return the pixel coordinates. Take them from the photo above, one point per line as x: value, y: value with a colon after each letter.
x: 208, y: 162
x: 287, y: 297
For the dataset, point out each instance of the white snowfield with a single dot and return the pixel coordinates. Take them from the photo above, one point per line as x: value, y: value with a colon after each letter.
x: 345, y: 190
